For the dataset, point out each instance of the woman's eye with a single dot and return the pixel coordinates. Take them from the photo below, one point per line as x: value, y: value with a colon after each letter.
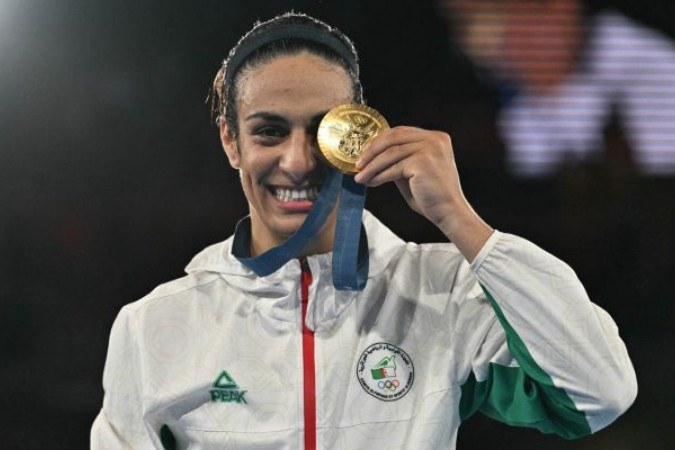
x: 270, y: 132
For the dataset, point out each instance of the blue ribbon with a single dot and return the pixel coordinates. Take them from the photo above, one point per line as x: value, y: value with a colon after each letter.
x: 348, y: 275
x: 350, y: 245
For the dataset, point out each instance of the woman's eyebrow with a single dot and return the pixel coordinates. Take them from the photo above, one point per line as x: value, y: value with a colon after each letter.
x: 272, y: 117
x: 266, y: 116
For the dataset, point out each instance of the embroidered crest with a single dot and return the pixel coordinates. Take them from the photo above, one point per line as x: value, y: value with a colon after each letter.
x: 385, y: 371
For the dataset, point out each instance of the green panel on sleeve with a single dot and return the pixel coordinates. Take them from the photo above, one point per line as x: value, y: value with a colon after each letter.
x: 522, y: 396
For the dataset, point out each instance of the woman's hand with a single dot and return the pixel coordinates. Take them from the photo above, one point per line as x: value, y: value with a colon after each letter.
x: 422, y: 164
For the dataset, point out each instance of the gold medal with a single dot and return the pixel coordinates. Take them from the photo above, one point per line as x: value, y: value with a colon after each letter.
x: 344, y: 131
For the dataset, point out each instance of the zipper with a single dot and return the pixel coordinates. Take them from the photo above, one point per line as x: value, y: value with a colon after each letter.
x: 308, y: 369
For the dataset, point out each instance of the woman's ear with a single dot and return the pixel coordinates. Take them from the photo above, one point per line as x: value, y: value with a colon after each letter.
x: 229, y: 143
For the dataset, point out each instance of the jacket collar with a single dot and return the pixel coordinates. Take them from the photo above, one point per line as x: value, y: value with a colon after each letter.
x: 383, y: 246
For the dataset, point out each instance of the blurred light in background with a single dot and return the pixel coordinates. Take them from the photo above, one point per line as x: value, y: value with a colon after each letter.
x: 567, y: 76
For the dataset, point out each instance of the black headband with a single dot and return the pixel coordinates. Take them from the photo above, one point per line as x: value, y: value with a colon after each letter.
x: 288, y: 31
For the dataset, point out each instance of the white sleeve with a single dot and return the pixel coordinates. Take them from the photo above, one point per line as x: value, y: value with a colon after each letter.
x: 120, y: 424
x: 553, y: 360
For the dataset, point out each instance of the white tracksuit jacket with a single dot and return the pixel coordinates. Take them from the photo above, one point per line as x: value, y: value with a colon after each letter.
x: 218, y: 359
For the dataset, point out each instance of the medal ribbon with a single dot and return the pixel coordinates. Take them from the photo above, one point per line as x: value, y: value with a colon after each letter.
x: 350, y: 262
x: 350, y: 245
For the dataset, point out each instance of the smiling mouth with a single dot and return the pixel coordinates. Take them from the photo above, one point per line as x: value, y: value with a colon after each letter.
x: 288, y: 195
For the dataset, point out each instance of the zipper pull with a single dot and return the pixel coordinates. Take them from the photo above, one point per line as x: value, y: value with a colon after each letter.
x: 305, y: 277
x: 304, y: 265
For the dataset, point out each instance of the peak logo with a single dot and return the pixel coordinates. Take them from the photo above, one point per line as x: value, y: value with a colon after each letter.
x: 225, y: 390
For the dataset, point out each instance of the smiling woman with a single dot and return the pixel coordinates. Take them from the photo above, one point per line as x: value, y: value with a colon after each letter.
x: 270, y: 95
x: 279, y: 107
x: 287, y: 359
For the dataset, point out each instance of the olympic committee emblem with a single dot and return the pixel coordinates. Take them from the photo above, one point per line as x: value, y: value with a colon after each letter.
x: 385, y: 371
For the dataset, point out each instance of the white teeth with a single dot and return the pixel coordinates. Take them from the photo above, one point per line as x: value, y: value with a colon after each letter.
x: 295, y: 195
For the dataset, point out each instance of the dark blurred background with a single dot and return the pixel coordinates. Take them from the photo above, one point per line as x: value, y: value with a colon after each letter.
x: 112, y: 178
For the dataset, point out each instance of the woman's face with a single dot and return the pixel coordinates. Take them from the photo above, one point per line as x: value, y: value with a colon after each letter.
x: 279, y: 107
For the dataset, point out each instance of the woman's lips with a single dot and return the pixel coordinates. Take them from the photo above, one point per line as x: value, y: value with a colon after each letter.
x: 292, y: 199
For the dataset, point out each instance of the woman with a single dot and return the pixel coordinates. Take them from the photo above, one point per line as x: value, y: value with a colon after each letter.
x: 228, y: 358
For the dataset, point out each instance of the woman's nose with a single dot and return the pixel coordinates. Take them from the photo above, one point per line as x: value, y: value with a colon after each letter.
x: 298, y: 157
